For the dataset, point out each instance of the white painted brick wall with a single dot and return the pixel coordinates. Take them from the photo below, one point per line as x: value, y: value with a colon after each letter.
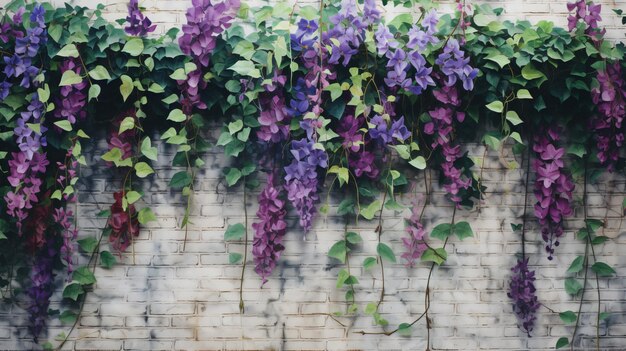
x: 165, y: 298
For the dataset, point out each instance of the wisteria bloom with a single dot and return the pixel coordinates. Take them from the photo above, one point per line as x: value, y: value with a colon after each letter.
x: 269, y: 230
x: 522, y: 292
x: 414, y: 244
x: 553, y: 188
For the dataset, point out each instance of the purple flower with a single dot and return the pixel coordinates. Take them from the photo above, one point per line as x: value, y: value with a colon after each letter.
x: 138, y: 24
x: 553, y: 188
x: 522, y: 292
x: 430, y: 21
x: 414, y: 243
x: 455, y: 66
x: 270, y: 230
x: 419, y: 39
x: 384, y: 40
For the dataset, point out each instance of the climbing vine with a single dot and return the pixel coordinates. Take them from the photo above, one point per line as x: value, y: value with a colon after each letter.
x: 312, y: 101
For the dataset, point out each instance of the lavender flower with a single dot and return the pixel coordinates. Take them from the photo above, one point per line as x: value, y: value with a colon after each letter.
x: 70, y: 105
x: 41, y: 290
x: 414, y: 244
x: 553, y: 188
x: 609, y: 98
x: 455, y: 66
x: 270, y: 230
x: 138, y: 24
x: 522, y: 292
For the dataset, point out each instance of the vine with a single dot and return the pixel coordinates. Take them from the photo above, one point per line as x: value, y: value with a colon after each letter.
x: 302, y: 94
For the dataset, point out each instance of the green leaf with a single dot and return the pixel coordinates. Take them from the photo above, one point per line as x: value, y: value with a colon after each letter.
x: 369, y: 262
x: 134, y: 46
x: 404, y: 329
x: 64, y: 124
x: 68, y: 317
x: 128, y: 123
x: 370, y: 308
x: 602, y: 269
x: 107, y: 260
x: 70, y: 77
x: 180, y: 179
x: 44, y: 94
x: 148, y: 150
x: 99, y: 73
x: 177, y: 115
x: 353, y: 238
x: 72, y: 291
x: 562, y: 342
x: 246, y: 68
x: 235, y: 126
x: 233, y: 176
x: 599, y: 240
x: 234, y: 257
x: 442, y: 231
x: 529, y: 72
x: 513, y: 117
x: 385, y: 252
x: 2, y: 236
x: 438, y: 256
x: 576, y: 266
x: 605, y: 315
x: 170, y: 99
x: 577, y: 149
x: 245, y: 49
x: 88, y: 244
x: 146, y: 215
x: 335, y: 91
x: 339, y: 251
x: 132, y: 197
x: 84, y: 276
x: 94, y: 91
x: 234, y: 232
x: 524, y: 94
x: 156, y: 88
x: 568, y: 317
x: 342, y: 276
x: 127, y: 86
x: 495, y: 106
x: 419, y: 162
x: 500, y: 59
x: 572, y: 286
x: 371, y: 209
x: 143, y: 169
x: 463, y: 230
x: 594, y: 224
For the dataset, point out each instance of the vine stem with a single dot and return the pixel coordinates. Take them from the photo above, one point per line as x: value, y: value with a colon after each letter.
x: 379, y: 229
x: 245, y: 247
x: 593, y: 253
x: 426, y: 305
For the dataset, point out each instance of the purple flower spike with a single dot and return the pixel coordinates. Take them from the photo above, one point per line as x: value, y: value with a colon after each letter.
x: 522, y: 292
x: 270, y: 230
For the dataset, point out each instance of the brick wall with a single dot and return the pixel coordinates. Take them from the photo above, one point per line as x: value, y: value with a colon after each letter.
x: 168, y: 295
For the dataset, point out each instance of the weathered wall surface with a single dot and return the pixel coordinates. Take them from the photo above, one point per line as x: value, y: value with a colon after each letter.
x: 167, y: 294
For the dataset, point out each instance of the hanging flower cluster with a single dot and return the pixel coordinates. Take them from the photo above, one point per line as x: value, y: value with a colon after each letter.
x: 70, y: 105
x: 124, y: 141
x: 585, y: 12
x: 41, y: 290
x: 414, y: 244
x: 609, y: 97
x: 205, y: 21
x: 28, y: 164
x: 442, y: 127
x: 553, y: 187
x: 138, y: 24
x: 270, y: 230
x: 123, y: 223
x: 522, y: 292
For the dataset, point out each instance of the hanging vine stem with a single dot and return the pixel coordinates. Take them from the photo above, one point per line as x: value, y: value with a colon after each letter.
x: 588, y: 244
x: 245, y: 247
x: 345, y: 231
x: 379, y: 230
x: 426, y: 302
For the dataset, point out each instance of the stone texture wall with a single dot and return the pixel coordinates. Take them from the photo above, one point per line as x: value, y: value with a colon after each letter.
x: 170, y: 293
